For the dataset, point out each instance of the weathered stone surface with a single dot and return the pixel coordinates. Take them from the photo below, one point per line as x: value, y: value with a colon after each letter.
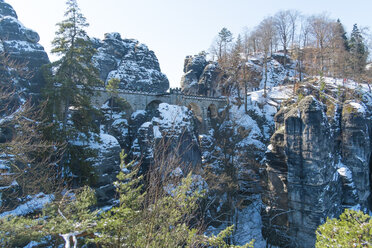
x: 7, y: 10
x: 201, y: 77
x: 284, y: 60
x: 130, y: 61
x: 356, y: 147
x: 318, y: 172
x: 311, y: 170
x: 21, y: 46
x: 106, y: 167
x: 170, y: 132
x: 12, y: 29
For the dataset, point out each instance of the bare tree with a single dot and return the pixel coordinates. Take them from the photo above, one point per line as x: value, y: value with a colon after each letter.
x: 294, y: 16
x: 220, y: 47
x: 28, y: 159
x: 267, y: 35
x: 321, y: 30
x: 283, y: 24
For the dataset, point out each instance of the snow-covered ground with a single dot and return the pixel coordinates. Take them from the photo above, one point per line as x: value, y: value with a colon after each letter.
x: 34, y: 203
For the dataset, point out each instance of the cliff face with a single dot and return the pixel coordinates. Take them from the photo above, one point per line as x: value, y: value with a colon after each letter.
x: 285, y: 173
x: 20, y: 47
x: 209, y: 78
x: 21, y: 58
x: 201, y: 77
x: 319, y: 162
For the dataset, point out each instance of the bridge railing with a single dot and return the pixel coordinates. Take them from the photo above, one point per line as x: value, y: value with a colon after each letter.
x: 177, y: 92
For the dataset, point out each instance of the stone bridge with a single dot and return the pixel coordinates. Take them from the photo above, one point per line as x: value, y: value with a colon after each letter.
x: 204, y: 108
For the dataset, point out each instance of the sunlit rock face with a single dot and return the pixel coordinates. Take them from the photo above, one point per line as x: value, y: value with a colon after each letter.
x: 320, y: 162
x: 131, y: 62
x: 201, y: 76
x: 20, y: 46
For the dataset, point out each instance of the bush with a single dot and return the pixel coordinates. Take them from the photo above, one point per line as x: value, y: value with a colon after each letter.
x: 352, y: 229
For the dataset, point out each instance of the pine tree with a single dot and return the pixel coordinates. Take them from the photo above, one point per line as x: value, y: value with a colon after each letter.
x: 339, y: 50
x: 224, y: 38
x: 70, y: 87
x: 141, y: 220
x: 342, y: 35
x: 70, y: 82
x: 352, y: 229
x: 358, y: 52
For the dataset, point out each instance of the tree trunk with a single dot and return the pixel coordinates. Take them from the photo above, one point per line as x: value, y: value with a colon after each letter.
x: 265, y: 61
x: 285, y: 53
x: 246, y: 97
x: 65, y: 114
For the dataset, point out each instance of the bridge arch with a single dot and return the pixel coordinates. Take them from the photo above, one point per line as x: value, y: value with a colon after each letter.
x: 204, y: 108
x: 153, y: 105
x: 212, y: 111
x: 196, y: 110
x: 118, y: 104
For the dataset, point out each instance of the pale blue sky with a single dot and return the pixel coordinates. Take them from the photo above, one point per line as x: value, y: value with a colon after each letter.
x: 176, y: 28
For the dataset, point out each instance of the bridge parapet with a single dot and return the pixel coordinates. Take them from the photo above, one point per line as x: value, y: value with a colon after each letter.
x: 122, y: 91
x: 138, y: 100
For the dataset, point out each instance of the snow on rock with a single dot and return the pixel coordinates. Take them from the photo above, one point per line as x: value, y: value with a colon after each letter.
x: 173, y: 124
x: 278, y: 94
x: 241, y: 119
x: 157, y: 133
x: 173, y: 116
x: 12, y: 29
x: 7, y: 10
x: 207, y: 78
x: 21, y: 45
x: 131, y: 62
x: 33, y: 204
x: 106, y: 165
x: 32, y: 244
x: 359, y: 107
x: 277, y: 74
x: 345, y: 172
x: 105, y: 142
x: 249, y: 224
x: 171, y: 119
x: 138, y: 112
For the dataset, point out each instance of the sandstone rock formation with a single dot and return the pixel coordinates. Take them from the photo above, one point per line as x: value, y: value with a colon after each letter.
x: 106, y: 166
x: 20, y: 45
x: 130, y: 61
x: 318, y: 164
x: 201, y: 77
x: 208, y: 78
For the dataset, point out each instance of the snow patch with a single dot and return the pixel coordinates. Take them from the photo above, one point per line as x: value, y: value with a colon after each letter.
x: 138, y: 112
x: 157, y: 133
x: 359, y: 107
x: 250, y: 224
x: 37, y: 202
